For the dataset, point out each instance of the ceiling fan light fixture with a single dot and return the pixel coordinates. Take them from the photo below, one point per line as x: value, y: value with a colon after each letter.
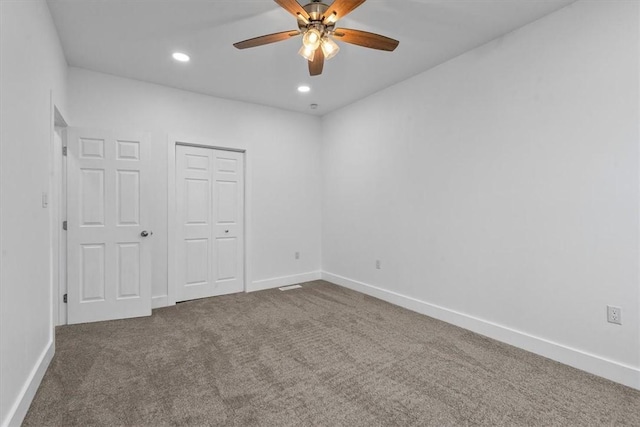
x: 329, y: 47
x: 307, y: 53
x: 311, y: 39
x: 316, y: 24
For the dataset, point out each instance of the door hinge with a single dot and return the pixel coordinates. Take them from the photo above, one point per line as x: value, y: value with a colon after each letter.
x: 64, y: 298
x: 64, y: 151
x: 64, y: 225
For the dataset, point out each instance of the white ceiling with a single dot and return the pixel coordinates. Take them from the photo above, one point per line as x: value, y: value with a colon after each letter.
x: 135, y: 39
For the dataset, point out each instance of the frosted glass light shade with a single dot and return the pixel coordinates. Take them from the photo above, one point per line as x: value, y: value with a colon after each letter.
x: 311, y: 39
x: 307, y: 53
x: 329, y: 48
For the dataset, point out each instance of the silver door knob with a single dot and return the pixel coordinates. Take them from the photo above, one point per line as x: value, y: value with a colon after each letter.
x: 146, y: 233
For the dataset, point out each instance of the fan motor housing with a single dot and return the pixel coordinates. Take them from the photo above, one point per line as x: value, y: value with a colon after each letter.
x: 315, y: 10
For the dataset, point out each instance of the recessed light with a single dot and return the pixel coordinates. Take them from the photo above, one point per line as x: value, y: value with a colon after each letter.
x: 304, y: 89
x: 182, y: 57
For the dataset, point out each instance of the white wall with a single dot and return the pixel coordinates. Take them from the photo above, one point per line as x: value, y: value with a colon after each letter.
x: 31, y: 67
x: 500, y: 189
x: 284, y: 157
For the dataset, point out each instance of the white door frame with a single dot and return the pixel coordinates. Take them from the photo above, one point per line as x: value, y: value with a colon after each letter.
x: 171, y: 208
x: 57, y: 214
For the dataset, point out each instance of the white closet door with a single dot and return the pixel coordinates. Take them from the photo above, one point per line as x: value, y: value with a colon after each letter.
x: 228, y: 221
x: 209, y: 214
x: 108, y: 254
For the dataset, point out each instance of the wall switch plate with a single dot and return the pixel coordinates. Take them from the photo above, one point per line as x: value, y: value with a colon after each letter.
x: 378, y: 264
x: 614, y: 315
x: 297, y: 255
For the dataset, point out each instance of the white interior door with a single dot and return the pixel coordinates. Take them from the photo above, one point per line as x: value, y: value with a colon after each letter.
x: 108, y: 254
x: 210, y: 222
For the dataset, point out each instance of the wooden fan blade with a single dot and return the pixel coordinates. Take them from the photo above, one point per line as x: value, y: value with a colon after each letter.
x: 340, y: 8
x: 269, y: 38
x: 365, y: 39
x: 293, y: 7
x: 315, y: 66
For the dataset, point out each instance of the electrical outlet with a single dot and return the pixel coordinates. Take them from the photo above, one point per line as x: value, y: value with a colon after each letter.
x: 378, y: 264
x: 614, y: 315
x: 297, y: 255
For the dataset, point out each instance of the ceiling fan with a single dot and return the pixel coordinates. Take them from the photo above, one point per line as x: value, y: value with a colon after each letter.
x: 317, y: 24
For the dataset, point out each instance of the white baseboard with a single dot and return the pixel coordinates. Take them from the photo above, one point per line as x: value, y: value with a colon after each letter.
x: 277, y: 282
x: 612, y: 370
x: 160, y: 301
x: 259, y: 285
x: 21, y: 406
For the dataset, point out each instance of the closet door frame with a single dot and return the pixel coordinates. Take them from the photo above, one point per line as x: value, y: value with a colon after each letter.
x: 173, y: 141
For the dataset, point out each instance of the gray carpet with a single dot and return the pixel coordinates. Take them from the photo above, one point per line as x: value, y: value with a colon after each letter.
x: 321, y: 355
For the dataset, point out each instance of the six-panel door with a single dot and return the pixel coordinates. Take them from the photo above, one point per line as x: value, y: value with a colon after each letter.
x: 109, y: 264
x: 210, y: 224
